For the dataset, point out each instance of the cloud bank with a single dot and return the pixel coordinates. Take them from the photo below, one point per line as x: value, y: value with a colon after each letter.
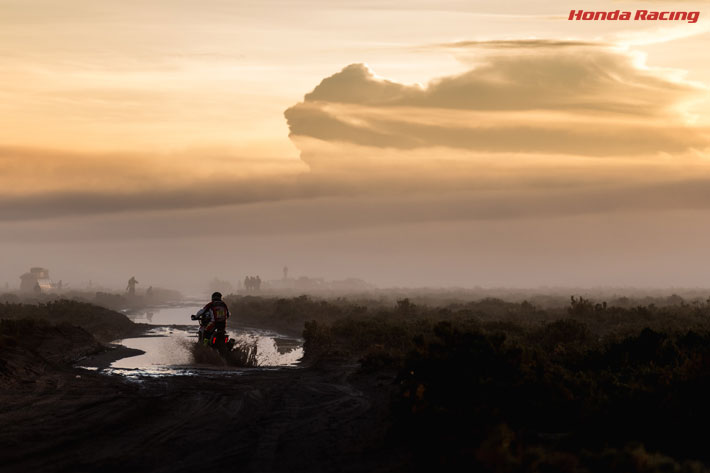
x: 543, y: 97
x: 538, y: 127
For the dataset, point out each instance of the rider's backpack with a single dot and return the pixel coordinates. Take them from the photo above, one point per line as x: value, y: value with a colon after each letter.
x: 219, y: 312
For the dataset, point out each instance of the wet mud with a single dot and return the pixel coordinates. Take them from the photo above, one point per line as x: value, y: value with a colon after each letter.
x: 290, y: 419
x: 57, y: 417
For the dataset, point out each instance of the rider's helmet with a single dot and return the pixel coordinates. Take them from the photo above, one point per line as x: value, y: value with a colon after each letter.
x: 216, y: 296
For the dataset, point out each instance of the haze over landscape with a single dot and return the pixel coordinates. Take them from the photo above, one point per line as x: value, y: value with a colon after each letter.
x: 314, y: 236
x: 404, y: 143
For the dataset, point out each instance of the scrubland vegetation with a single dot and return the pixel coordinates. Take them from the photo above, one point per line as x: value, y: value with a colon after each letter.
x: 109, y: 300
x: 499, y: 386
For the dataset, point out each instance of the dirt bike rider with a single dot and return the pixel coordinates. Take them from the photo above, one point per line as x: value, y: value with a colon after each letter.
x: 214, y: 315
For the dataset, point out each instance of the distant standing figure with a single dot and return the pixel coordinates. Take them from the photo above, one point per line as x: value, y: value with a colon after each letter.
x: 131, y: 288
x: 149, y: 292
x: 285, y: 272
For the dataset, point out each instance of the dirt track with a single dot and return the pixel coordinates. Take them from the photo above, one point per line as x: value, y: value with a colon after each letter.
x: 309, y: 419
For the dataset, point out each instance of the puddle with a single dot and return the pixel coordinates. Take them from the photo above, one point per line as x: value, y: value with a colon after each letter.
x: 166, y: 346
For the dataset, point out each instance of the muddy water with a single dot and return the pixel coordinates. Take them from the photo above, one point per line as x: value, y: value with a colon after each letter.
x: 166, y: 345
x: 179, y: 315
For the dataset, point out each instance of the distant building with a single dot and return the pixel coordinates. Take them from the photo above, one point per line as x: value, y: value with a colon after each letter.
x: 37, y: 280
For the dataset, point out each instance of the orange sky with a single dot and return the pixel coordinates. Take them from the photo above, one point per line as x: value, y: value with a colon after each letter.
x: 451, y: 121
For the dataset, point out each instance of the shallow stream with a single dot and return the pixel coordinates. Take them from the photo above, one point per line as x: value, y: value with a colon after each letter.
x: 166, y: 346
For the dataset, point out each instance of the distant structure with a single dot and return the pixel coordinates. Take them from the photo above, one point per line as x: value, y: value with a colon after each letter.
x: 305, y: 284
x: 37, y: 280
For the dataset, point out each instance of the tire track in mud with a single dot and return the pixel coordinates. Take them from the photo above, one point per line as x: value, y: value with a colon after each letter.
x: 305, y: 416
x: 282, y: 420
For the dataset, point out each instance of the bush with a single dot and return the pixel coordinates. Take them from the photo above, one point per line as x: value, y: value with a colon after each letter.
x: 591, y: 387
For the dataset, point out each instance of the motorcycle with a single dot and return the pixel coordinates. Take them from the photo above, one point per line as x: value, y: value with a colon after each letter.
x: 217, y: 338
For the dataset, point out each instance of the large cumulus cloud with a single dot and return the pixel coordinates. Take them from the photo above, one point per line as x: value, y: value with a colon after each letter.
x: 541, y: 97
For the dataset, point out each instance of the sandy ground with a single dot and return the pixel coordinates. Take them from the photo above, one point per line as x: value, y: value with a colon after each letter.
x: 319, y: 418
